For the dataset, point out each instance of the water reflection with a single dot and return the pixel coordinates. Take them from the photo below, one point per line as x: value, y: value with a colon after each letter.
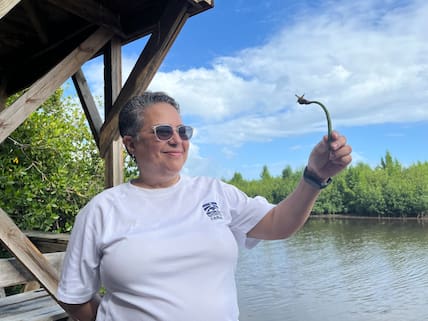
x: 352, y: 270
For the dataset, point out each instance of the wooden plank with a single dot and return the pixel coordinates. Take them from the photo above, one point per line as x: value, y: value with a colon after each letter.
x: 48, y: 242
x: 209, y: 3
x: 14, y: 115
x: 197, y: 6
x: 13, y: 272
x: 22, y: 297
x: 48, y: 236
x: 30, y: 306
x: 6, y: 6
x: 146, y: 67
x: 25, y: 251
x: 113, y: 174
x: 88, y: 104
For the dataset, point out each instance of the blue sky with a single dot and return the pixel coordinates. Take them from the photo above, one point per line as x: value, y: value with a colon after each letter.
x: 235, y: 70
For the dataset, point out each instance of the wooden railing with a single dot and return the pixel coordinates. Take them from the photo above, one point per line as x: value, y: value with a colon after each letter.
x: 29, y: 301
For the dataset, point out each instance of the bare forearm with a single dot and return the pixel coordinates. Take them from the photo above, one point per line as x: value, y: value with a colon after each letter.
x: 83, y: 312
x: 289, y: 215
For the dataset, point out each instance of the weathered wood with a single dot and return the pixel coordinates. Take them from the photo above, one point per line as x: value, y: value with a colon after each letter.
x: 113, y: 76
x: 6, y: 6
x: 30, y: 306
x: 48, y: 242
x: 146, y: 67
x: 31, y: 286
x: 198, y: 6
x: 13, y: 272
x: 88, y: 104
x: 14, y: 115
x: 207, y: 2
x: 34, y: 304
x: 112, y: 72
x: 25, y: 251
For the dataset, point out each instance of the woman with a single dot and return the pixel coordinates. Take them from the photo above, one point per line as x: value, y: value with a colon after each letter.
x: 164, y: 246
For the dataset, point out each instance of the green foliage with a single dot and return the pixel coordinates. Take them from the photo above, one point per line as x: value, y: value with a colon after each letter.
x: 50, y: 167
x: 389, y: 190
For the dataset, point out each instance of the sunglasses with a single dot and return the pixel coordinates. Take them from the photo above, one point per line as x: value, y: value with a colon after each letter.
x: 165, y: 132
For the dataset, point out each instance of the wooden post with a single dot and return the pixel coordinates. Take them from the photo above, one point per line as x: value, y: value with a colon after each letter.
x: 113, y: 159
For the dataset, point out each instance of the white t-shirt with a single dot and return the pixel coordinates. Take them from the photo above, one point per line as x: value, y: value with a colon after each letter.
x: 164, y: 254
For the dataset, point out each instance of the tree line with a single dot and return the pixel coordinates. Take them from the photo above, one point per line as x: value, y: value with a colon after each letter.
x: 387, y: 190
x: 50, y: 168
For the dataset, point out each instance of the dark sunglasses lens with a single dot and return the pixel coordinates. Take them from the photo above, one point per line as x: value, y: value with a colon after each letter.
x: 164, y: 132
x: 185, y: 132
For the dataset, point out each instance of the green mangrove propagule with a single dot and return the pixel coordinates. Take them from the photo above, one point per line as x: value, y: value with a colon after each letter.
x: 303, y: 101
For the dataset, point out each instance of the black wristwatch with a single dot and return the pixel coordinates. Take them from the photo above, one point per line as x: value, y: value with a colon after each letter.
x: 315, y: 181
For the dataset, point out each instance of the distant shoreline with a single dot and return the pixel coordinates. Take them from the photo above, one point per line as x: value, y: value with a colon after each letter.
x: 376, y: 218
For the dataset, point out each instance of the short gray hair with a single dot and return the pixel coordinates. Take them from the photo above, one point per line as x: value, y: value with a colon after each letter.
x: 131, y: 117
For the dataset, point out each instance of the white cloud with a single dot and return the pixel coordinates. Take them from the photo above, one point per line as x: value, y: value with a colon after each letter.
x: 199, y: 165
x: 367, y: 63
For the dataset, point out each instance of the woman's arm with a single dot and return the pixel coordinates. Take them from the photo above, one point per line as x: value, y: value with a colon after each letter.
x: 326, y: 160
x: 83, y: 312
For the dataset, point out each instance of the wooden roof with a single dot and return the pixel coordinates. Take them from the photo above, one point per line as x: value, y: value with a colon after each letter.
x: 37, y: 34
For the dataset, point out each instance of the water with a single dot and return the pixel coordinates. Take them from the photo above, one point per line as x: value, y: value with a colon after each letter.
x: 338, y: 270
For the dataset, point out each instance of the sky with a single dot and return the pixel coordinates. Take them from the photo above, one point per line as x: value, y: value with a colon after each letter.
x: 235, y: 70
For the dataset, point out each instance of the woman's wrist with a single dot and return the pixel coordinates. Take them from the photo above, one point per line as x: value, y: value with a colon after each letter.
x: 314, y: 180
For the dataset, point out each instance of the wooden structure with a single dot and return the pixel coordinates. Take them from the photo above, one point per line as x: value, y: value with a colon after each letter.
x: 34, y: 303
x: 45, y: 42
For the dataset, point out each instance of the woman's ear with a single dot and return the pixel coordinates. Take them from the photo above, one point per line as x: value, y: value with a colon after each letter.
x: 128, y: 141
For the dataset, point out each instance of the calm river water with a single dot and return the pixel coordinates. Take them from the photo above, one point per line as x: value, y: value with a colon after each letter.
x: 338, y: 270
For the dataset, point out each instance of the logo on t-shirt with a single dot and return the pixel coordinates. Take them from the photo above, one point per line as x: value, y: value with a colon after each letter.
x: 213, y: 211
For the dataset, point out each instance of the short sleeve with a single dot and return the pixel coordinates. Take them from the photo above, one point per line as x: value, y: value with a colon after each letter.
x: 245, y: 212
x: 80, y: 279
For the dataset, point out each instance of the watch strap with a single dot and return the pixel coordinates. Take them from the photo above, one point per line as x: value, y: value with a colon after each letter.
x: 315, y: 181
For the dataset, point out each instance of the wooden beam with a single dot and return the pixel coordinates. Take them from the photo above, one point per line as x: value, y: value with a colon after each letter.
x: 6, y: 6
x: 14, y: 115
x: 93, y: 12
x: 203, y: 2
x: 88, y: 104
x: 113, y: 84
x: 48, y: 242
x: 146, y: 66
x: 198, y: 6
x: 26, y: 253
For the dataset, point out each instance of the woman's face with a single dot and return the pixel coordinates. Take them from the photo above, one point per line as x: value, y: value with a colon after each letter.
x: 159, y: 161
